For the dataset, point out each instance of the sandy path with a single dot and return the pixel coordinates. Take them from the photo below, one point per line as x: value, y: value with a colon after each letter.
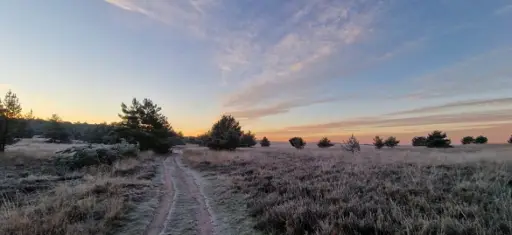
x: 183, y: 207
x: 157, y: 225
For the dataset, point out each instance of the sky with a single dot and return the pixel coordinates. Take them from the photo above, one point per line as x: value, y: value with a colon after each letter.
x: 308, y: 68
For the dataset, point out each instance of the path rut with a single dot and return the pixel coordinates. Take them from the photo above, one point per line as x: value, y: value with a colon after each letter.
x: 183, y: 208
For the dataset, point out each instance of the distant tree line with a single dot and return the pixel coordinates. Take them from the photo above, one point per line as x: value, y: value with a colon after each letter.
x: 141, y: 122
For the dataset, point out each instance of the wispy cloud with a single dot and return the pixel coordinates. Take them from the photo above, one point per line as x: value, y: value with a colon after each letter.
x: 449, y: 121
x: 283, y: 107
x: 262, y: 51
x: 190, y: 15
x: 503, y: 10
x: 487, y: 72
x: 403, y: 48
x: 461, y: 104
x: 420, y: 117
x: 273, y: 54
x: 311, y: 35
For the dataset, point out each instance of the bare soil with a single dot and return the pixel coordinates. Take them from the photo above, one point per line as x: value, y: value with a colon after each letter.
x: 183, y: 207
x: 164, y: 207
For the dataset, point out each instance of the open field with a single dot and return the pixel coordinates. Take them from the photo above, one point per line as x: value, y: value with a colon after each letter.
x: 275, y: 190
x: 145, y: 194
x: 463, y: 190
x: 37, y: 199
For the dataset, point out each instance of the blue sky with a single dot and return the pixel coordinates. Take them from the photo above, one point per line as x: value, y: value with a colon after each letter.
x: 305, y: 67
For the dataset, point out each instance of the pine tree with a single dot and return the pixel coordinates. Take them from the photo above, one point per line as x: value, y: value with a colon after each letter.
x: 378, y: 142
x: 297, y: 142
x: 419, y: 141
x: 12, y: 106
x: 225, y: 134
x: 324, y: 143
x: 248, y: 139
x: 351, y: 145
x: 265, y: 142
x: 391, y: 142
x: 438, y: 139
x: 481, y: 140
x: 467, y: 140
x: 144, y: 124
x: 12, y: 125
x: 55, y: 131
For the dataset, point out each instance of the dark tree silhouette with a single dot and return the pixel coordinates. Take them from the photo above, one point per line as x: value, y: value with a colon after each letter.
x: 265, y: 142
x: 225, y: 134
x: 378, y: 142
x: 324, y: 143
x: 391, y: 142
x: 467, y: 140
x: 438, y: 139
x: 297, y: 142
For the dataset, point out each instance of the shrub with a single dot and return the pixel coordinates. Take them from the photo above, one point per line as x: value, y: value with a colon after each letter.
x: 510, y: 140
x: 378, y: 142
x: 55, y: 131
x: 247, y: 140
x: 419, y: 141
x: 391, y: 142
x: 467, y: 140
x: 324, y: 143
x: 264, y: 142
x: 297, y: 142
x: 202, y: 140
x: 78, y: 157
x: 481, y: 140
x: 162, y: 146
x: 176, y: 140
x: 100, y: 134
x: 225, y: 134
x: 351, y: 145
x: 438, y: 139
x: 230, y: 141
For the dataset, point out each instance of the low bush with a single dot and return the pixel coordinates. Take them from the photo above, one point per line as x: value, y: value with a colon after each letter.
x: 419, y: 141
x: 438, y: 139
x: 248, y: 139
x: 467, y: 140
x: 324, y: 143
x: 391, y: 142
x: 297, y: 142
x: 351, y: 145
x: 481, y: 140
x: 265, y: 142
x: 378, y: 142
x: 79, y: 157
x: 176, y: 140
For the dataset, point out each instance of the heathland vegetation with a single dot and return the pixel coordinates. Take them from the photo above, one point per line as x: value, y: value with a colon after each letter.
x: 59, y: 177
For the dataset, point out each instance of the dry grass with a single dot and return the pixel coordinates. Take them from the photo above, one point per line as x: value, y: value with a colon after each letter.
x: 34, y: 200
x: 35, y: 148
x: 466, y: 190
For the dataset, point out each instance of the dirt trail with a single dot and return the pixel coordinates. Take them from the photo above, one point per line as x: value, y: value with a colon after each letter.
x: 157, y: 225
x: 183, y: 207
